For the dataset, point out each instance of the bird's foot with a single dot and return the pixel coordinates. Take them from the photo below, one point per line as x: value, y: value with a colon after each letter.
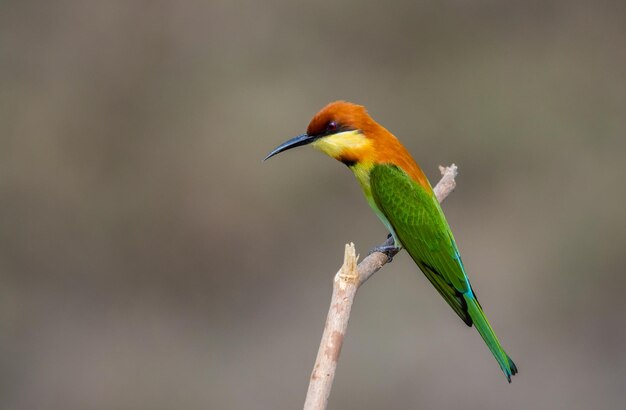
x: 389, y: 250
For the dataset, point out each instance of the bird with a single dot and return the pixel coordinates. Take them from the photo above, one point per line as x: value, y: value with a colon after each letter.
x: 401, y: 196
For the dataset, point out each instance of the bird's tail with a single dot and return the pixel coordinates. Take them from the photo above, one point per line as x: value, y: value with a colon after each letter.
x: 489, y: 336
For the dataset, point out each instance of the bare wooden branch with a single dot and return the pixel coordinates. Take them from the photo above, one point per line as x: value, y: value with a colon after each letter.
x: 345, y: 284
x: 447, y: 183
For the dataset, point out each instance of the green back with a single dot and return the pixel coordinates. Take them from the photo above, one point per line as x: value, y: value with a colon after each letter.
x: 419, y: 223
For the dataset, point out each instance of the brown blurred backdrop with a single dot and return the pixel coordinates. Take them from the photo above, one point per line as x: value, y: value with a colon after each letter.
x: 148, y: 259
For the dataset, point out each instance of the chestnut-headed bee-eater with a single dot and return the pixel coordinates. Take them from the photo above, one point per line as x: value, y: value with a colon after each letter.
x: 399, y: 193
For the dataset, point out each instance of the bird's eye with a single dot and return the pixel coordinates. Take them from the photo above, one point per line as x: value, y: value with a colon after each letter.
x: 332, y: 126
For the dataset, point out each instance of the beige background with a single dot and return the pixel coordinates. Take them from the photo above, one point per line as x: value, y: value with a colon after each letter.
x: 149, y: 260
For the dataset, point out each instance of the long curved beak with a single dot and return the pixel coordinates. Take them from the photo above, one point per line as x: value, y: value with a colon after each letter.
x: 303, y: 139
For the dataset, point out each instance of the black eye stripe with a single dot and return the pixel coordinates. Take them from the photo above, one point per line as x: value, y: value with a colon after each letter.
x: 332, y: 127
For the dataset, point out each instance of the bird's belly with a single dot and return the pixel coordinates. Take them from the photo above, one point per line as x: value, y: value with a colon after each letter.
x: 385, y: 221
x: 361, y: 172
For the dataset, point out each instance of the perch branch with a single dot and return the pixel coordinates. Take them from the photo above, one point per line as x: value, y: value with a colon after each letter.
x: 345, y: 284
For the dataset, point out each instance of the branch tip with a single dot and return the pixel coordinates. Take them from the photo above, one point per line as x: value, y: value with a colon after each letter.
x: 452, y: 169
x: 348, y: 271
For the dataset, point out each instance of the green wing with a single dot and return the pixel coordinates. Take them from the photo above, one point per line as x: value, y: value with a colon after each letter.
x: 419, y: 223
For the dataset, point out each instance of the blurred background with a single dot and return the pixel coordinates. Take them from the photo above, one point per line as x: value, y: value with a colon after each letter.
x: 148, y: 259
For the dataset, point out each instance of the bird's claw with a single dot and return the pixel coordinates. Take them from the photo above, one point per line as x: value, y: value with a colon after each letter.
x: 389, y: 250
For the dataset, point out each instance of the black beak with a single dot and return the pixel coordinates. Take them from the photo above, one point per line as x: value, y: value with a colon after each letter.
x: 303, y: 139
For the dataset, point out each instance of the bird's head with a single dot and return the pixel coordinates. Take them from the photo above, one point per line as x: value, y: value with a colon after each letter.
x: 340, y: 130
